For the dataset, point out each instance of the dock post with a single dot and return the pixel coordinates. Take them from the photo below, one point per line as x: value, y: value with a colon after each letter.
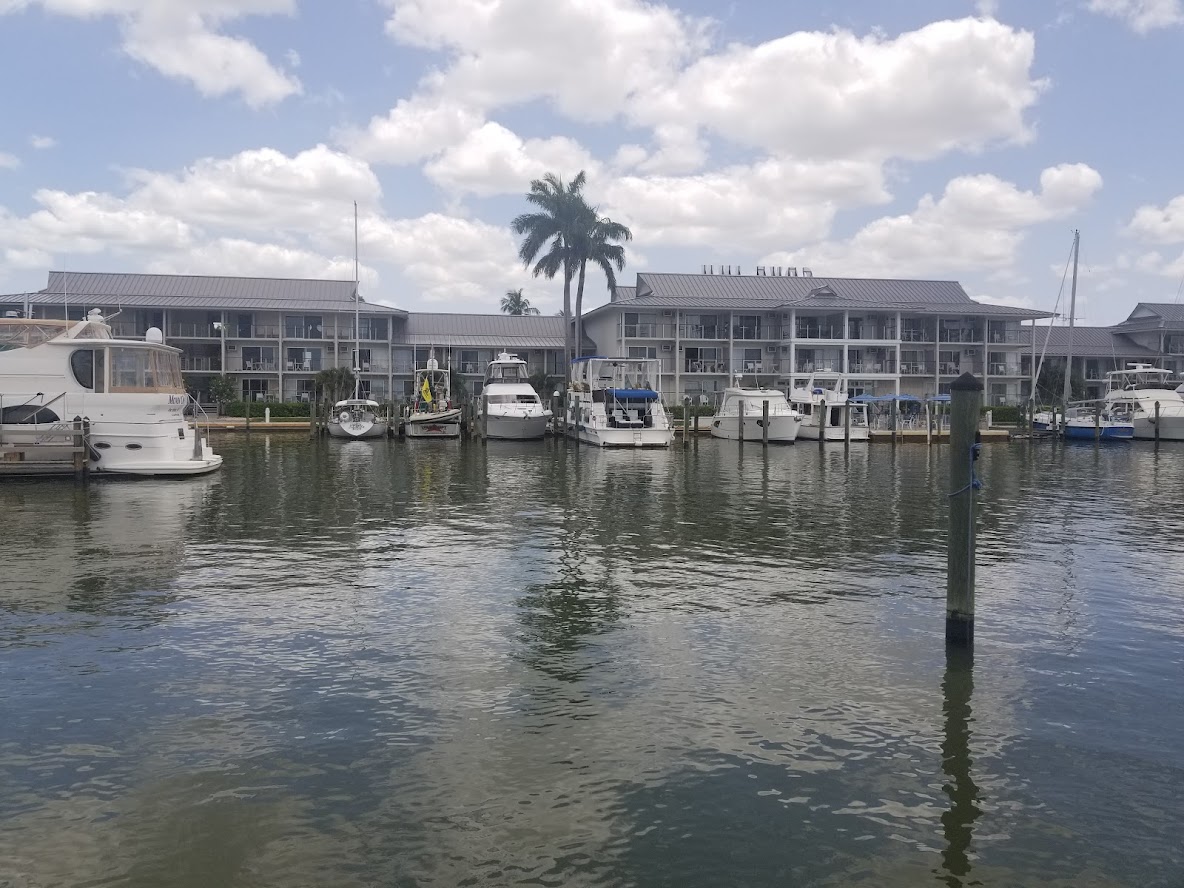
x: 696, y: 431
x: 966, y: 396
x: 1097, y: 422
x: 847, y: 425
x: 484, y: 419
x: 895, y: 419
x: 740, y: 419
x: 1157, y: 424
x: 928, y: 425
x: 823, y: 412
x: 247, y: 412
x: 686, y: 420
x: 765, y: 423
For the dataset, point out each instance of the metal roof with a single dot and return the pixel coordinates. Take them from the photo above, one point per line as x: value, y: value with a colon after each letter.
x: 484, y: 331
x: 204, y: 291
x: 1090, y: 342
x: 624, y: 294
x: 1154, y: 315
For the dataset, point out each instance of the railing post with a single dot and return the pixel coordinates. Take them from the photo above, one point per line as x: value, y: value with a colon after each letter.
x: 966, y: 395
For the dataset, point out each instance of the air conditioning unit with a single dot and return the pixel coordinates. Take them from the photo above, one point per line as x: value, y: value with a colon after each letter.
x: 771, y: 349
x: 232, y: 348
x: 667, y: 347
x: 667, y: 312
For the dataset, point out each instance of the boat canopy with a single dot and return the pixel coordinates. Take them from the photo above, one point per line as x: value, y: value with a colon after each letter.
x: 586, y: 358
x: 880, y: 398
x: 633, y: 394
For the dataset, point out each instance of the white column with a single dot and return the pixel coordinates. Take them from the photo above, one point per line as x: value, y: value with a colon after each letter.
x: 678, y: 357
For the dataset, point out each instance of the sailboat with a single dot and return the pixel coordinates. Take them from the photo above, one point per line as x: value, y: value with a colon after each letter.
x: 1082, y: 422
x: 358, y: 417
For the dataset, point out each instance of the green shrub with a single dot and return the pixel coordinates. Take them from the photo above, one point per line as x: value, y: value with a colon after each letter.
x: 1009, y: 415
x: 696, y: 410
x: 279, y: 409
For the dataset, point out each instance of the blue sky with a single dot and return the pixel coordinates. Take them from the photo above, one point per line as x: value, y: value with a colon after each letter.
x: 949, y: 139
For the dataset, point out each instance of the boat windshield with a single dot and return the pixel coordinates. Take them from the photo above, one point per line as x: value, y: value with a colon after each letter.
x: 19, y: 333
x: 145, y: 370
x: 507, y: 373
x: 512, y: 399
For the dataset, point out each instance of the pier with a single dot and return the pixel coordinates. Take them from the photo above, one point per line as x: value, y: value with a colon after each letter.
x: 59, y: 450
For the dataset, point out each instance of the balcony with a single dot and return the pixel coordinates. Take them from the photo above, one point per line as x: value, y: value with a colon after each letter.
x: 126, y: 330
x: 292, y: 331
x: 699, y: 331
x: 950, y: 368
x: 915, y: 334
x: 917, y: 368
x: 1011, y: 337
x: 260, y: 366
x: 261, y: 331
x: 961, y: 335
x: 814, y: 331
x: 200, y: 365
x: 646, y: 331
x: 301, y: 366
x: 720, y: 366
x: 186, y: 330
x: 374, y: 367
x: 739, y: 332
x: 873, y: 333
x: 403, y: 367
x: 996, y: 369
x: 866, y: 367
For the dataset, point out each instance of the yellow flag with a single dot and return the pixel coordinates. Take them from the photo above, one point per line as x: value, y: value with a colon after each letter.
x: 426, y: 391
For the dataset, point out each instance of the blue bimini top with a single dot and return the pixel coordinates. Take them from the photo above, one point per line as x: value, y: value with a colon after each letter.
x: 633, y: 394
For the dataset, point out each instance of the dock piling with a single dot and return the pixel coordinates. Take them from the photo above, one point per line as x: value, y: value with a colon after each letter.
x: 740, y: 419
x: 1157, y: 424
x: 686, y: 419
x: 765, y: 423
x: 847, y: 425
x: 484, y: 419
x: 1097, y: 422
x: 696, y: 431
x: 966, y: 395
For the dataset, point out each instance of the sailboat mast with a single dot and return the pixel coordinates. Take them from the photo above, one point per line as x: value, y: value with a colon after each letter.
x: 1067, y: 394
x: 357, y: 313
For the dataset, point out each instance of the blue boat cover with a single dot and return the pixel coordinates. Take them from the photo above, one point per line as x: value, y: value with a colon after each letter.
x: 633, y: 394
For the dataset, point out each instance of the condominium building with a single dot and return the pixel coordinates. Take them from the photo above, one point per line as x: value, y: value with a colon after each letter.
x: 888, y: 337
x: 272, y: 336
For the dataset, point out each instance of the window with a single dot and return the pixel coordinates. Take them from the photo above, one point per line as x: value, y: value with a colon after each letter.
x: 305, y: 389
x: 643, y: 351
x: 361, y: 359
x: 145, y: 370
x: 259, y: 357
x: 470, y: 362
x: 82, y: 365
x: 245, y: 326
x: 255, y: 390
x: 372, y: 328
x: 303, y: 326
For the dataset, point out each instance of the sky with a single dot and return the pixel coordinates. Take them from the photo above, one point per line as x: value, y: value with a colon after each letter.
x: 950, y: 139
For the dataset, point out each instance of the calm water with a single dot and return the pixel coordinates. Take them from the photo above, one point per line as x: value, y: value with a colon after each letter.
x: 428, y: 663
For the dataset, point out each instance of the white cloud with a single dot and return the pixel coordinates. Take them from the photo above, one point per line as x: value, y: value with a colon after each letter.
x: 181, y: 39
x: 977, y: 224
x: 987, y: 8
x: 41, y: 143
x: 493, y: 160
x: 761, y: 206
x: 587, y: 57
x: 1160, y: 225
x: 1141, y: 16
x: 237, y: 256
x: 951, y: 84
x: 9, y: 161
x: 414, y: 129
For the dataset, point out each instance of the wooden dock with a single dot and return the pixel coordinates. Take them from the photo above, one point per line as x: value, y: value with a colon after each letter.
x: 61, y: 450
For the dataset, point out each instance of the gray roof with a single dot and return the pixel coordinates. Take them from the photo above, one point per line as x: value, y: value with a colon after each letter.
x: 761, y: 293
x: 1090, y: 342
x: 485, y: 331
x: 1154, y: 315
x: 624, y: 294
x: 204, y: 291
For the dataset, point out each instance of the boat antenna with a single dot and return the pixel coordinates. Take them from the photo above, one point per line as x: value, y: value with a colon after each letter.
x: 357, y: 313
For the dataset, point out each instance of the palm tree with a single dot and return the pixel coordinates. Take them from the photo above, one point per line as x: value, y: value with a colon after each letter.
x: 515, y: 303
x: 595, y: 244
x: 561, y: 209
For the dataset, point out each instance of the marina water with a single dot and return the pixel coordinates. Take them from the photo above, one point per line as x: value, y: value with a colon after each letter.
x: 437, y: 663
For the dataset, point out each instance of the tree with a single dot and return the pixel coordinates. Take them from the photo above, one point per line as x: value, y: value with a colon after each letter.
x: 515, y: 303
x: 457, y: 386
x: 548, y: 235
x: 1050, y: 384
x: 223, y: 389
x: 336, y: 383
x: 594, y: 242
x: 538, y: 381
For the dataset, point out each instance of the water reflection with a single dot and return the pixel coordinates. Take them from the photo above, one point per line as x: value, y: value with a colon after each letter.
x: 958, y: 821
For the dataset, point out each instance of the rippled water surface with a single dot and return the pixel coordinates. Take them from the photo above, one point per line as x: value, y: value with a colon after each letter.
x: 432, y: 663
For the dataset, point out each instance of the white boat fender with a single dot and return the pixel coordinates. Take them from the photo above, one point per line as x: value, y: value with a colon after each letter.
x: 344, y: 416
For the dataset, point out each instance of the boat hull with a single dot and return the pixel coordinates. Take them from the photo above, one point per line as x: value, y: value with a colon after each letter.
x: 782, y: 429
x: 1171, y: 428
x: 608, y: 437
x: 358, y: 430
x: 1107, y: 432
x: 516, y: 428
x: 445, y: 424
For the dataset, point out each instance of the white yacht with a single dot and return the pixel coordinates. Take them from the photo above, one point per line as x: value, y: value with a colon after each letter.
x: 1133, y: 393
x: 130, y: 390
x: 358, y: 418
x: 612, y: 403
x: 432, y: 415
x: 784, y: 421
x: 510, y: 407
x: 821, y: 401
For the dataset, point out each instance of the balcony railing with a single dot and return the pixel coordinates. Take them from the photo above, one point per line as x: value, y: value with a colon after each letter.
x: 259, y: 331
x: 292, y: 331
x: 201, y: 364
x: 646, y: 331
x: 126, y: 331
x: 950, y: 368
x: 961, y: 335
x: 303, y: 366
x: 186, y: 330
x: 880, y: 333
x: 702, y: 331
x: 260, y: 366
x: 403, y: 367
x: 1013, y: 337
x: 758, y: 332
x: 917, y: 368
x: 916, y: 335
x: 997, y: 369
x: 887, y: 366
x: 809, y: 331
x: 706, y: 366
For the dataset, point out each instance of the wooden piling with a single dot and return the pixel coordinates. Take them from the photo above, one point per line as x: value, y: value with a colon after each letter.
x: 765, y: 423
x: 740, y: 420
x: 1097, y: 422
x: 247, y: 412
x: 484, y: 419
x: 686, y: 419
x: 696, y: 431
x: 928, y: 425
x: 966, y: 396
x: 847, y: 425
x: 823, y: 413
x: 1157, y: 423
